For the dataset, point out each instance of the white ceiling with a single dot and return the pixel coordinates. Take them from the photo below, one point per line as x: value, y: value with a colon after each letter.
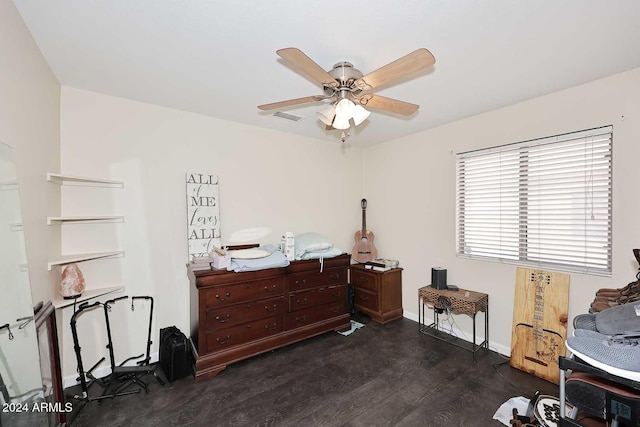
x: 218, y: 58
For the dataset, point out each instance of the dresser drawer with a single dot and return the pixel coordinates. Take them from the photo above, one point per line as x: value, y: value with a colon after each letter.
x: 366, y: 299
x: 232, y: 315
x: 314, y: 297
x: 362, y: 279
x: 220, y: 340
x: 223, y: 295
x: 313, y: 279
x: 315, y: 314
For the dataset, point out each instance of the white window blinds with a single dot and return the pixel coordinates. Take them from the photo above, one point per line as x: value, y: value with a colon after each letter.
x: 545, y: 202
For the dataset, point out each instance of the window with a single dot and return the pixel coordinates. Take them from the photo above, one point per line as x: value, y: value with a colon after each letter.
x: 545, y: 202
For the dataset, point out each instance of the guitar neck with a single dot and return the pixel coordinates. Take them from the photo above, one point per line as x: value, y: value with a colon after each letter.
x: 364, y: 222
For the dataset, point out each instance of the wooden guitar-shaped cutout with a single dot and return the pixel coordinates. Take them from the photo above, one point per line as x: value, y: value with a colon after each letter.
x: 538, y: 338
x: 364, y: 250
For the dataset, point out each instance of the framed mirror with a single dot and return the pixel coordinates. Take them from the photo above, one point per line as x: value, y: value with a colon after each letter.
x: 21, y: 383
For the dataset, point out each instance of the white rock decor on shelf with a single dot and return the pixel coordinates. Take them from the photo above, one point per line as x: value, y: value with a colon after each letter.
x: 72, y: 282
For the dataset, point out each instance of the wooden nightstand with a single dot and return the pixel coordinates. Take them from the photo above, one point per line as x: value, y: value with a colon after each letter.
x: 377, y: 293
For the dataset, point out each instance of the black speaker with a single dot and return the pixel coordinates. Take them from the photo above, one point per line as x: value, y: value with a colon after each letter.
x: 439, y: 278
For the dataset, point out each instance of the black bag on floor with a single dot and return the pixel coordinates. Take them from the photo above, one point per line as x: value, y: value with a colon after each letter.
x: 175, y: 353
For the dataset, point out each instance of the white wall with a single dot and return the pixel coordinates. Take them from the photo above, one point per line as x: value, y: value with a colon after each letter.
x: 410, y: 186
x: 266, y: 178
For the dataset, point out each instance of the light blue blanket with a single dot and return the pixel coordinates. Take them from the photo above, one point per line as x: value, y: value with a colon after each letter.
x: 276, y: 259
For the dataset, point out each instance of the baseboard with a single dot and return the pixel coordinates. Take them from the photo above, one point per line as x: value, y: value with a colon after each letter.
x: 103, y: 371
x: 410, y: 316
x: 499, y: 348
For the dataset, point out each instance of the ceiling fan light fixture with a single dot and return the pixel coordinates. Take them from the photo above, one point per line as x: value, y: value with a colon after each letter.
x: 345, y: 108
x: 341, y: 123
x: 327, y: 114
x: 360, y: 114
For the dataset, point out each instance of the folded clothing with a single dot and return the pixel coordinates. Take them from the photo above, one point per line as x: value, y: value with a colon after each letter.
x: 274, y: 260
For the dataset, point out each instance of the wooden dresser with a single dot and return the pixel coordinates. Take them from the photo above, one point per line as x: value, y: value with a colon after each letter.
x: 378, y: 293
x: 238, y: 315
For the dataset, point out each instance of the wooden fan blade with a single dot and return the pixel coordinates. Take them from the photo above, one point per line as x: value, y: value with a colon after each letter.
x: 290, y: 102
x: 408, y: 64
x: 389, y: 104
x: 305, y: 64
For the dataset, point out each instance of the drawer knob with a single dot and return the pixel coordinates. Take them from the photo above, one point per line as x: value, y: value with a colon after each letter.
x: 364, y: 279
x: 227, y: 295
x: 271, y: 309
x: 224, y: 340
x: 301, y: 282
x: 223, y: 319
x: 272, y: 328
x: 364, y: 297
x: 270, y: 289
x: 334, y: 276
x: 301, y: 319
x: 302, y: 302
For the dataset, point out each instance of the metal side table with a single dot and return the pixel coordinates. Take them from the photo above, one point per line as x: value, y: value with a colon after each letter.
x: 461, y: 301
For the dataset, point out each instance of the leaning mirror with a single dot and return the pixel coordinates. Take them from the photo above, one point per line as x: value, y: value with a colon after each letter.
x: 21, y: 383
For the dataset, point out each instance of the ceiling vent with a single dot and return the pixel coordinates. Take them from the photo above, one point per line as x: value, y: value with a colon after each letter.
x: 288, y: 116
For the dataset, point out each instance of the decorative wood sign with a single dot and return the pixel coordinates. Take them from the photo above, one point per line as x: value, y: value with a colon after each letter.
x: 540, y: 322
x: 203, y: 213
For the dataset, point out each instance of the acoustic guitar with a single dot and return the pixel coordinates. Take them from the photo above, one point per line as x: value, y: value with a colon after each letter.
x: 364, y: 250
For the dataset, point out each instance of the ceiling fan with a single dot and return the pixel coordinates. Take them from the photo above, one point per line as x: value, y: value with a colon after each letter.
x: 349, y: 90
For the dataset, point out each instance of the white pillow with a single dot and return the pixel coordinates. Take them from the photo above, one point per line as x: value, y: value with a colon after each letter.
x: 310, y: 242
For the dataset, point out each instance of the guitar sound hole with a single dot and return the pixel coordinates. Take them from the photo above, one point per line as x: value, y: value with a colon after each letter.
x: 364, y: 240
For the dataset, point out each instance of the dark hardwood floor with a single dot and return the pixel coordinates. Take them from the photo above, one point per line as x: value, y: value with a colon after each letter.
x: 378, y: 376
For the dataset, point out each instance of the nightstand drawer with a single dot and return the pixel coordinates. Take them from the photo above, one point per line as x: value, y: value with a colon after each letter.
x: 366, y: 299
x: 362, y: 279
